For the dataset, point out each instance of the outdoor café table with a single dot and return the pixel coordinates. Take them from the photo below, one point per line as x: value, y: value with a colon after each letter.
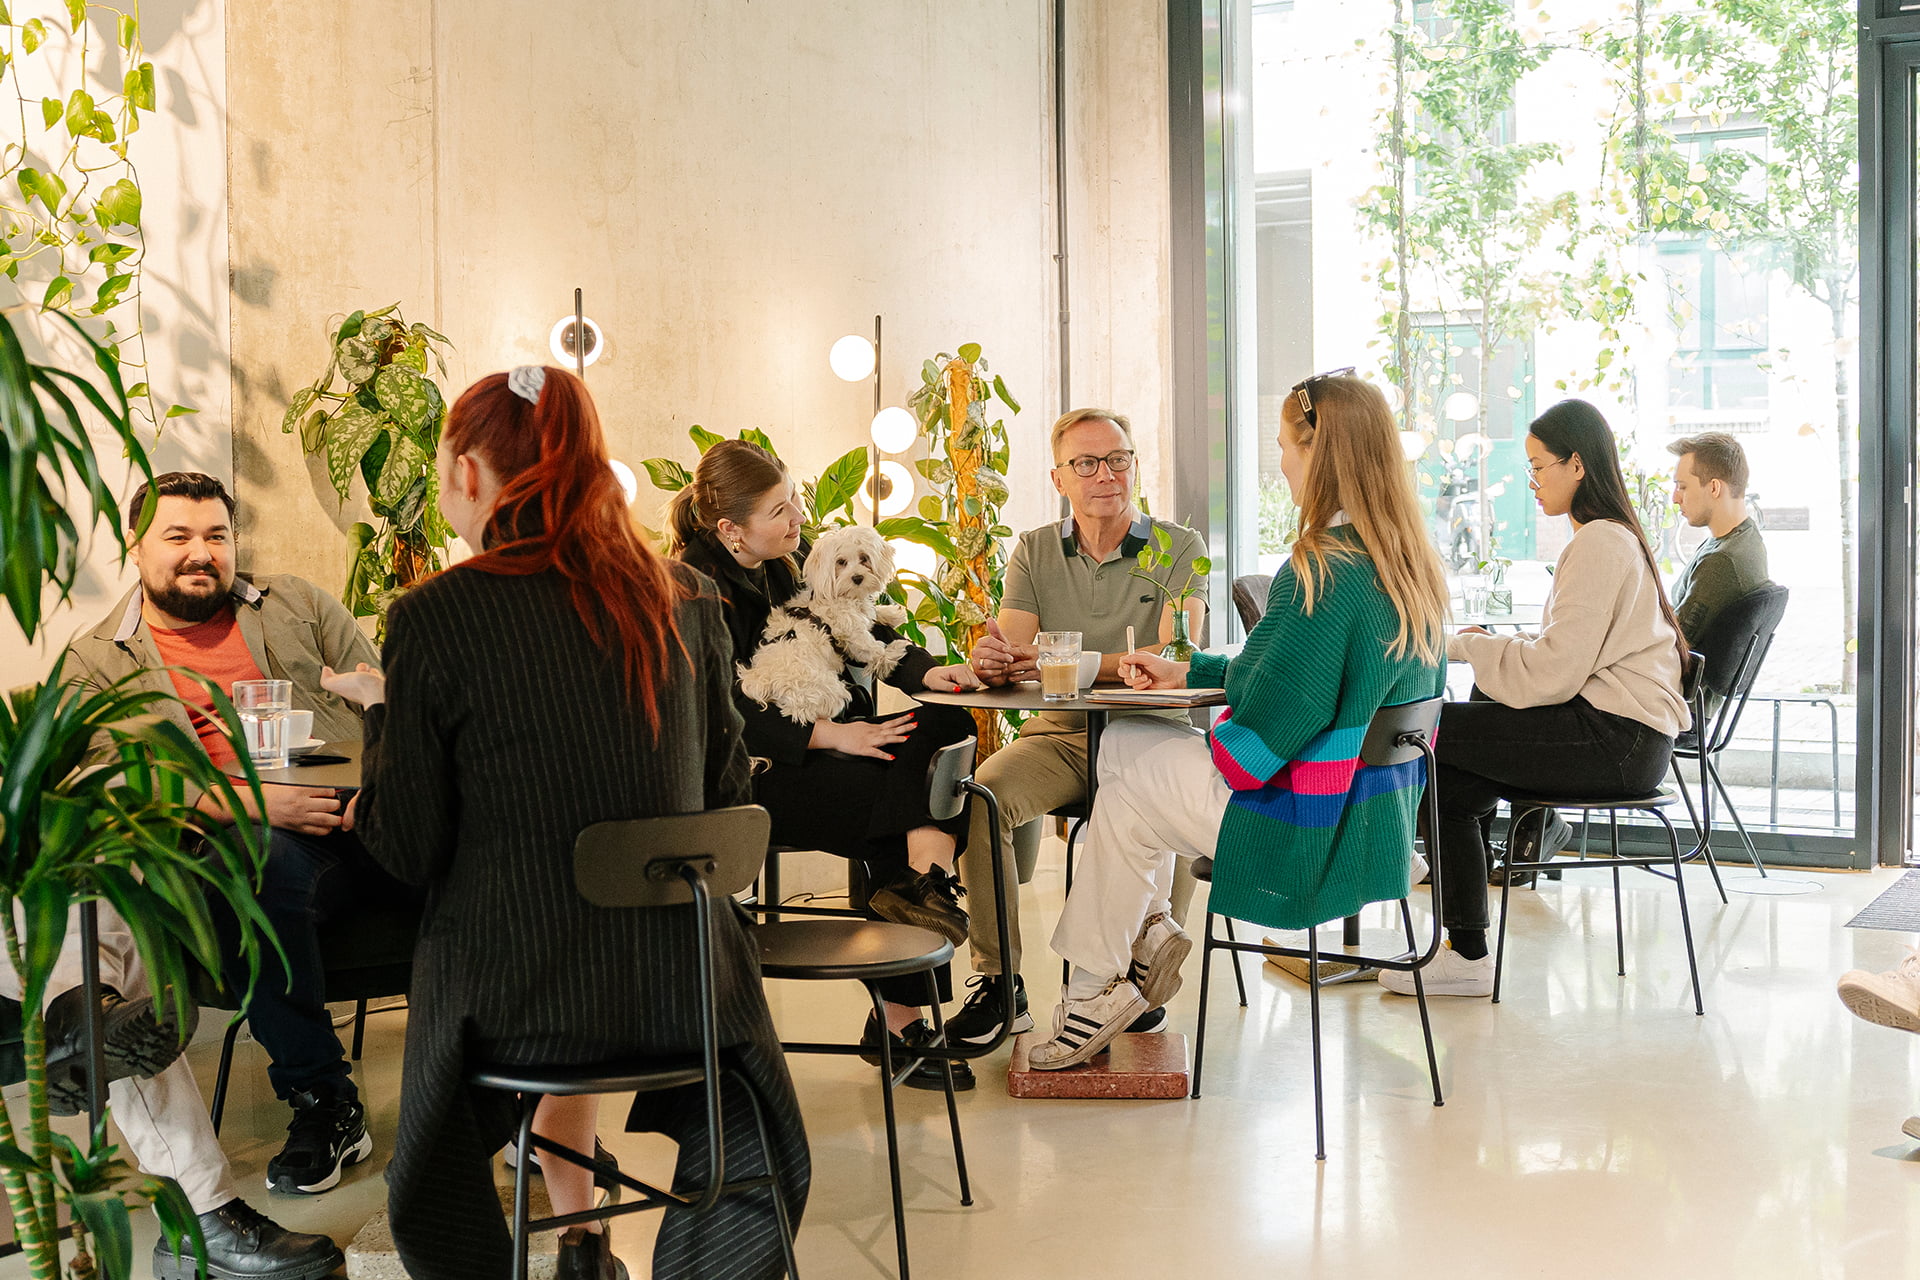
x: 339, y: 773
x: 1026, y: 696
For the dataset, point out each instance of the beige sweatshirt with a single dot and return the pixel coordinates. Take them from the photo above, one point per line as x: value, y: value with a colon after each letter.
x: 1601, y: 638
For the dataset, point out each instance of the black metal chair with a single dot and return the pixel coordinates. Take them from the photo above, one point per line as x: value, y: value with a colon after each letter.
x: 365, y: 956
x: 1734, y: 644
x: 869, y: 951
x: 1396, y: 737
x: 649, y: 864
x: 1526, y: 805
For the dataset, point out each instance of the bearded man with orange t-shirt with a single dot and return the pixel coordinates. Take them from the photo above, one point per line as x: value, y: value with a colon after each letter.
x: 191, y: 609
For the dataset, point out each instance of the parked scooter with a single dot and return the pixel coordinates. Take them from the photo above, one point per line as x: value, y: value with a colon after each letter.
x: 1457, y: 511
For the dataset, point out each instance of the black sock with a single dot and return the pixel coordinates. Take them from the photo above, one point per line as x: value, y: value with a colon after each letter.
x: 1470, y: 943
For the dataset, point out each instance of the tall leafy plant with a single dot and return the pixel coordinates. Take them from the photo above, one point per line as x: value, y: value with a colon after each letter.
x: 826, y: 501
x: 382, y: 424
x: 74, y: 829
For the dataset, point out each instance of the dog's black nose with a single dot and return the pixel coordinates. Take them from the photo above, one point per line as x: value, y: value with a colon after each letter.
x: 858, y: 579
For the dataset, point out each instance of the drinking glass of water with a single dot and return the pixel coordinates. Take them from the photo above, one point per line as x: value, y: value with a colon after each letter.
x: 264, y: 707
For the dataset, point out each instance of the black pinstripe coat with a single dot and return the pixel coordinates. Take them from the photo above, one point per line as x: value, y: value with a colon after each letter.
x: 505, y: 732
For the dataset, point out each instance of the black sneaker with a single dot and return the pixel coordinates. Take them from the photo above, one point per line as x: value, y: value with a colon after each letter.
x: 1531, y: 848
x: 930, y: 899
x: 586, y: 1255
x: 1151, y: 1020
x: 245, y: 1244
x: 925, y: 1076
x: 979, y: 1018
x: 327, y: 1134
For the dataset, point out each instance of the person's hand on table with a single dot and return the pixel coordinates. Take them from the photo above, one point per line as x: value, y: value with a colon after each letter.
x: 1143, y: 670
x: 997, y: 660
x: 952, y: 679
x: 310, y: 811
x: 862, y: 737
x: 362, y: 685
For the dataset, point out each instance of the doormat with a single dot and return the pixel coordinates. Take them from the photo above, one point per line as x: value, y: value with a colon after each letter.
x: 1898, y: 908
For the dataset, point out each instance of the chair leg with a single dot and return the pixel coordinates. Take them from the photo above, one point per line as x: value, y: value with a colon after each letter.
x: 359, y: 1028
x: 1233, y: 958
x: 522, y: 1183
x: 773, y: 1172
x: 1313, y: 1005
x: 1619, y: 927
x: 769, y: 894
x: 953, y: 1106
x: 1500, y: 939
x: 1699, y: 827
x: 1686, y: 923
x: 1745, y: 839
x: 1200, y: 1027
x: 1420, y: 998
x: 219, y: 1108
x: 893, y: 1131
x: 1073, y: 835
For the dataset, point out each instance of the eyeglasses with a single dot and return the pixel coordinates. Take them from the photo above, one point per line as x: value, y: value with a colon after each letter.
x: 1302, y: 391
x: 1533, y: 477
x: 1120, y: 461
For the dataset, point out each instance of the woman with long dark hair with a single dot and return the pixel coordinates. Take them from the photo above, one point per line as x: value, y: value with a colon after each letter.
x: 854, y: 785
x: 1591, y: 703
x: 566, y: 675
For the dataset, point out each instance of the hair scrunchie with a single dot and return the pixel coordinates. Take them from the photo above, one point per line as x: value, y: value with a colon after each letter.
x: 526, y: 380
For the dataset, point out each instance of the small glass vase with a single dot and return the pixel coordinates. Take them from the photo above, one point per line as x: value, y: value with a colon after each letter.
x: 1181, y: 648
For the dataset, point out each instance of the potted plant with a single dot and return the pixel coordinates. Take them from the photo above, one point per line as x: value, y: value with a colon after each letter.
x: 384, y: 424
x: 74, y: 830
x: 1158, y: 554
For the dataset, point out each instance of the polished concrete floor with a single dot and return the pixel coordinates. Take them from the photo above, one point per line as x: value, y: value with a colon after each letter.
x: 1593, y: 1126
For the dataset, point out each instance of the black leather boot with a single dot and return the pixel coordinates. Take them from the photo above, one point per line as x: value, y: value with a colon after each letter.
x: 245, y: 1244
x: 586, y: 1255
x: 138, y: 1043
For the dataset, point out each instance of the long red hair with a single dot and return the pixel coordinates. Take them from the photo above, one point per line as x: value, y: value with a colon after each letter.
x: 562, y: 508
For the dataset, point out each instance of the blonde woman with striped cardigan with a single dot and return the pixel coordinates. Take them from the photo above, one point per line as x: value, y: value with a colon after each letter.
x: 1299, y: 830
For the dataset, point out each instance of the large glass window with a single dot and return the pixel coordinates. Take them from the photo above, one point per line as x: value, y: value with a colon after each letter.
x: 1492, y: 206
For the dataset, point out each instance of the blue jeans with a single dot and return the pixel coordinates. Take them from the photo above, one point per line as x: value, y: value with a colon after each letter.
x: 309, y: 882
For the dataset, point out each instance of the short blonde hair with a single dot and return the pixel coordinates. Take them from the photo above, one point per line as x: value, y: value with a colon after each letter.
x: 1074, y: 417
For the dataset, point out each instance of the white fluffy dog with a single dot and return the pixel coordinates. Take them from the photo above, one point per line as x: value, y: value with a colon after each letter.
x: 809, y: 641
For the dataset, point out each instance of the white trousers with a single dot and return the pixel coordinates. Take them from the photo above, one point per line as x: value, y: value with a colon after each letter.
x: 164, y: 1119
x: 1160, y: 799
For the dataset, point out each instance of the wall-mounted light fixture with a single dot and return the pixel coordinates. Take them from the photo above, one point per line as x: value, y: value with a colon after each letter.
x: 565, y: 342
x: 629, y: 483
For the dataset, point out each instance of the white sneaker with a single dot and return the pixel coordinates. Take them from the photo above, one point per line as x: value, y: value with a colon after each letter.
x: 1912, y: 1127
x: 1082, y: 1028
x: 1890, y: 999
x: 1448, y: 974
x: 1417, y: 869
x: 1158, y: 953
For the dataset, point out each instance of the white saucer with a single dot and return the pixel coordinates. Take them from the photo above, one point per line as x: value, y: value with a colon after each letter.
x: 302, y: 748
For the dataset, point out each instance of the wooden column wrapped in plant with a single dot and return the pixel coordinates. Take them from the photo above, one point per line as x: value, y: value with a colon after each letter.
x: 961, y: 521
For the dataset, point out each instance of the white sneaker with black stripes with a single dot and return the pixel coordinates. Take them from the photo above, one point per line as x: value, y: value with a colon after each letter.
x: 1082, y: 1028
x: 1158, y: 953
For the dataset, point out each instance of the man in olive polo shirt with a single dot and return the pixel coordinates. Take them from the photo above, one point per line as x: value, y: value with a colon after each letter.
x: 1710, y: 488
x: 1076, y: 575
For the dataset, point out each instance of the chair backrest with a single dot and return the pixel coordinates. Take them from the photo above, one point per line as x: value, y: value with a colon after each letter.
x: 1250, y: 597
x: 950, y: 766
x: 637, y: 862
x: 1735, y: 638
x: 1395, y: 733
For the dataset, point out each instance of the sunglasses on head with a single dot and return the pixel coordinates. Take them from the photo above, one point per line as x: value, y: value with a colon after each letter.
x: 1303, y: 391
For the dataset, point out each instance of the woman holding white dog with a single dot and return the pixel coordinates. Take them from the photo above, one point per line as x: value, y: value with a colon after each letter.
x: 851, y: 783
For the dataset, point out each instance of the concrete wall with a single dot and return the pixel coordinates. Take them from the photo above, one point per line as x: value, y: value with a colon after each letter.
x: 734, y: 184
x: 180, y: 152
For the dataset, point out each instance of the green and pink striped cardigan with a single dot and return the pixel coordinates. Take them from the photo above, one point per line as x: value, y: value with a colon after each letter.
x: 1310, y: 834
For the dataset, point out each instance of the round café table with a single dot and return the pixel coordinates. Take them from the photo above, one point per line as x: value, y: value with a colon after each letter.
x: 1026, y: 696
x: 341, y: 769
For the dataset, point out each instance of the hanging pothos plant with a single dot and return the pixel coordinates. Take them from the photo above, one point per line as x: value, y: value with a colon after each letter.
x: 826, y: 503
x: 384, y: 423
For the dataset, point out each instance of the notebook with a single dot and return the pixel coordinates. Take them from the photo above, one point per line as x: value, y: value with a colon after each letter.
x: 1156, y: 697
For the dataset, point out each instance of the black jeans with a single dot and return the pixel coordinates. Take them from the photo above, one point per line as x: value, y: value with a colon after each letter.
x: 309, y: 881
x: 861, y: 808
x: 1487, y: 749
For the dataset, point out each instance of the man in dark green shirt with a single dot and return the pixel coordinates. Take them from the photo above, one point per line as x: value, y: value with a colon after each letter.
x: 1710, y: 488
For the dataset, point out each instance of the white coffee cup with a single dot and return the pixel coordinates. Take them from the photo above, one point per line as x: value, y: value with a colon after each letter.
x: 299, y: 727
x: 1089, y: 667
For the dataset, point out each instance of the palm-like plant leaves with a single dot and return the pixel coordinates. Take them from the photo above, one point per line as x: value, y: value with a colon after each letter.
x: 45, y: 454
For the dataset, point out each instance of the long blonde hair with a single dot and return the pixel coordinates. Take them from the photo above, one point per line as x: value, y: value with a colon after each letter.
x: 1357, y: 467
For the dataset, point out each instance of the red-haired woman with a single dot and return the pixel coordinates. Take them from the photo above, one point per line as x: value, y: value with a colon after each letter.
x: 564, y: 676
